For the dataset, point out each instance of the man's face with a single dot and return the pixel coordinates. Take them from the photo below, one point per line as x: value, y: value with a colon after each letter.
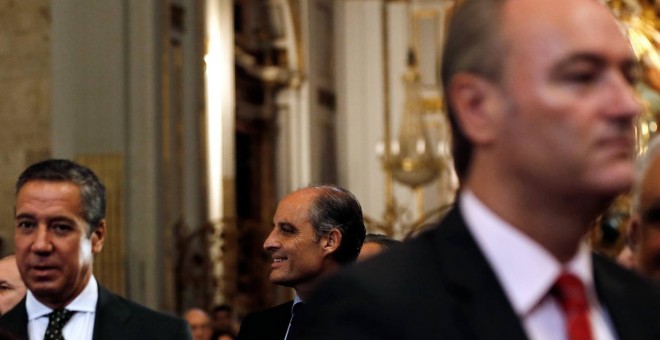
x: 297, y: 254
x: 12, y: 288
x: 222, y: 320
x: 200, y: 324
x: 53, y: 252
x: 568, y: 98
x: 648, y: 220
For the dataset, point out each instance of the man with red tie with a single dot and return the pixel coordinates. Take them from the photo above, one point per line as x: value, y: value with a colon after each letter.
x: 542, y: 104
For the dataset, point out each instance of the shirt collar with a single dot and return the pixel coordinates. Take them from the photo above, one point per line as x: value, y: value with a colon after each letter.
x: 524, y: 268
x: 296, y: 300
x: 84, y: 302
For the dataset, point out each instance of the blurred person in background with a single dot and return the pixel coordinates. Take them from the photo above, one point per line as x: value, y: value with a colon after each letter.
x: 375, y: 244
x: 12, y: 289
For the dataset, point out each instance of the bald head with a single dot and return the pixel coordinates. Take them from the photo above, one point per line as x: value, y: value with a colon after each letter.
x: 200, y: 324
x: 12, y: 289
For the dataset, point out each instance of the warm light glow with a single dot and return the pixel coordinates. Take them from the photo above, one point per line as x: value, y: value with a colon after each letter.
x: 643, y: 38
x: 219, y: 99
x: 220, y: 104
x: 396, y: 149
x: 421, y: 146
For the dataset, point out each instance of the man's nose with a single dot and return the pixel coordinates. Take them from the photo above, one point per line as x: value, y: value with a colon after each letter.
x: 42, y: 240
x: 271, y: 243
x: 624, y: 99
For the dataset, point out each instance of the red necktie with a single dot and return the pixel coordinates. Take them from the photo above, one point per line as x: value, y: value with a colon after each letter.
x: 570, y: 292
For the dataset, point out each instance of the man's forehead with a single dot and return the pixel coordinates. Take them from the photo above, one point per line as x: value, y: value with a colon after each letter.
x: 298, y: 202
x: 561, y: 29
x: 549, y: 17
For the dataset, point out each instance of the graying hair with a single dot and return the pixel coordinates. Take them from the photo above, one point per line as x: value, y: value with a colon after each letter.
x: 475, y: 45
x: 92, y: 190
x: 337, y: 208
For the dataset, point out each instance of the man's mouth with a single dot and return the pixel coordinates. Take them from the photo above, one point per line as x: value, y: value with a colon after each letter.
x: 278, y: 260
x: 41, y: 270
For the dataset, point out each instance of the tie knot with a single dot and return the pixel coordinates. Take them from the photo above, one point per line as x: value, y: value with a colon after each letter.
x: 61, y: 313
x: 570, y: 292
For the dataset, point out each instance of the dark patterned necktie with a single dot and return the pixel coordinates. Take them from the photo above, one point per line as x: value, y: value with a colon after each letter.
x: 56, y: 321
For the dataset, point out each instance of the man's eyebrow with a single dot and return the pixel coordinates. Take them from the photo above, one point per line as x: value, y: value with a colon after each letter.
x: 50, y: 220
x: 24, y: 215
x: 593, y: 58
x: 61, y: 219
x: 582, y: 57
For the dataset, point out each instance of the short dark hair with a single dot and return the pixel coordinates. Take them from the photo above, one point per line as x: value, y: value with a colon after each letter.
x: 475, y: 45
x: 92, y: 190
x: 337, y: 208
x: 383, y: 240
x: 222, y: 308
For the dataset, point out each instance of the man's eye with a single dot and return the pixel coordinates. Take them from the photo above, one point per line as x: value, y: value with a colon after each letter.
x: 61, y: 228
x: 4, y: 287
x: 25, y: 225
x: 582, y: 77
x: 632, y: 77
x: 288, y: 230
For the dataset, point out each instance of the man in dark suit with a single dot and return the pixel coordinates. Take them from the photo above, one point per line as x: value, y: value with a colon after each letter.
x: 60, y: 226
x: 316, y: 230
x: 542, y: 104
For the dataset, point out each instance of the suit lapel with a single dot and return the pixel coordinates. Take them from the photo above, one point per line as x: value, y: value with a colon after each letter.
x: 619, y: 301
x: 111, y: 316
x: 481, y: 302
x: 282, y: 318
x: 16, y: 321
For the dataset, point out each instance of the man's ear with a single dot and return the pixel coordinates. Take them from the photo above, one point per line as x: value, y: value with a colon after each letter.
x: 478, y: 106
x: 98, y: 237
x: 332, y: 241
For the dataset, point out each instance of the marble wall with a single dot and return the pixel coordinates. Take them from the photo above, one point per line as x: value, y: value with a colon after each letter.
x: 25, y: 97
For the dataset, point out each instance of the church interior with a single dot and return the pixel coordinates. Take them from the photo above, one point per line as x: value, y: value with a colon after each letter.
x: 199, y: 115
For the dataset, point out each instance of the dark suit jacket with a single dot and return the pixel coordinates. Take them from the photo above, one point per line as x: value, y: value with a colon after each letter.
x: 269, y: 324
x: 116, y: 318
x: 440, y: 286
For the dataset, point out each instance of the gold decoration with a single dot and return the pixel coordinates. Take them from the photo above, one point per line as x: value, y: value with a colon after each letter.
x: 413, y: 161
x: 639, y: 20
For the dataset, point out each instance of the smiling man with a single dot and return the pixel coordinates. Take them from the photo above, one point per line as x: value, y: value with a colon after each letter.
x: 60, y: 227
x: 316, y: 230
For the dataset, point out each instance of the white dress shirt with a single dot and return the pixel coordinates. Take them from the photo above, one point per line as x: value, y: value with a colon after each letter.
x: 296, y: 300
x: 527, y: 272
x: 81, y: 324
